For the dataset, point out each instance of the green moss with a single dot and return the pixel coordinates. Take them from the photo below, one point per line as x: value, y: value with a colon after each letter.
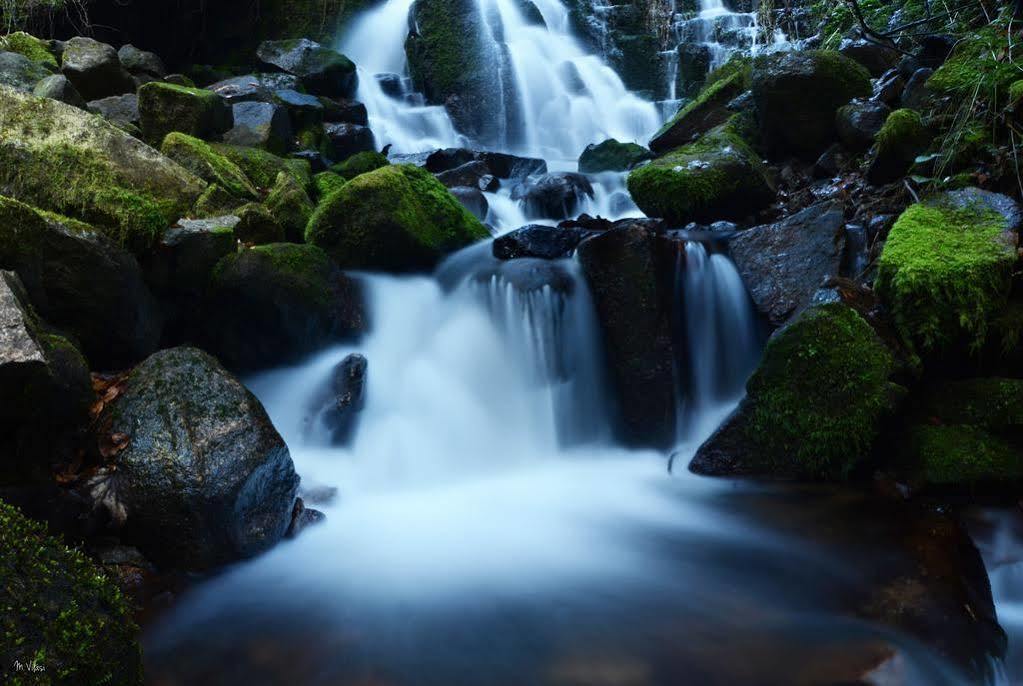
x: 258, y: 226
x: 717, y: 177
x: 326, y: 183
x: 31, y: 47
x: 262, y: 167
x: 302, y: 268
x: 290, y: 206
x: 215, y: 202
x: 957, y: 455
x: 837, y: 18
x: 166, y: 107
x: 444, y: 52
x: 202, y: 160
x: 611, y: 155
x: 989, y: 403
x: 903, y: 133
x: 980, y: 64
x: 944, y: 274
x: 394, y: 218
x: 57, y: 609
x: 820, y: 393
x: 1016, y: 92
x: 360, y: 163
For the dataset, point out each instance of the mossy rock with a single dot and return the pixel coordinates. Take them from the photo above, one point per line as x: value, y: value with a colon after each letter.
x: 31, y: 47
x: 815, y: 405
x: 946, y: 270
x: 797, y: 95
x: 166, y: 107
x: 704, y: 112
x: 717, y: 177
x: 257, y: 226
x: 976, y: 66
x: 290, y: 206
x: 61, y: 613
x: 215, y: 202
x: 57, y: 157
x: 956, y: 456
x: 202, y: 160
x: 990, y: 403
x: 397, y: 218
x: 326, y: 183
x: 611, y: 155
x: 902, y: 138
x: 262, y: 167
x: 360, y: 163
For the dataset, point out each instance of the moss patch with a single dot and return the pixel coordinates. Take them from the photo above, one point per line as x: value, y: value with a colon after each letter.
x: 326, y: 183
x: 956, y: 455
x: 395, y: 218
x: 820, y: 393
x: 202, y: 160
x: 262, y: 167
x: 290, y: 206
x: 29, y: 46
x: 59, y: 611
x: 979, y: 64
x: 360, y: 163
x: 166, y: 107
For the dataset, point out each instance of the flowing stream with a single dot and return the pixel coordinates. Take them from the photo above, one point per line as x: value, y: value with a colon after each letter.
x: 482, y: 526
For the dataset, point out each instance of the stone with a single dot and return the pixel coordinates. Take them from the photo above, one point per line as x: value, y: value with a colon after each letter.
x: 472, y: 199
x: 610, y: 155
x: 57, y: 87
x: 120, y: 110
x: 253, y: 87
x: 260, y: 125
x: 556, y: 195
x: 20, y: 73
x: 709, y: 109
x: 141, y: 62
x: 321, y: 70
x: 164, y: 108
x: 859, y: 122
x: 537, y: 240
x: 348, y: 139
x: 95, y: 69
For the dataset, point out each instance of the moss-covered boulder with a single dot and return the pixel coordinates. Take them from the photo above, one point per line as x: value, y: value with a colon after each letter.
x: 290, y: 206
x: 202, y: 477
x: 276, y: 303
x: 59, y: 158
x: 977, y: 66
x: 397, y: 218
x: 20, y: 73
x: 45, y: 391
x: 717, y: 177
x: 201, y: 159
x: 797, y: 95
x: 704, y: 112
x: 27, y: 45
x: 215, y: 202
x: 360, y: 163
x: 165, y: 107
x: 946, y: 269
x: 262, y: 167
x: 81, y: 282
x: 59, y: 613
x: 326, y: 183
x: 321, y: 70
x: 902, y: 138
x: 611, y: 155
x: 257, y: 226
x: 814, y: 406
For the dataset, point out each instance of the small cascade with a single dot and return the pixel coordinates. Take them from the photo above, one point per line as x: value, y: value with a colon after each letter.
x: 717, y: 336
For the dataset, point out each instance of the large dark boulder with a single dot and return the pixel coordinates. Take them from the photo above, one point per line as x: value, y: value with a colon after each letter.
x: 261, y: 125
x: 797, y: 95
x: 341, y: 401
x: 345, y: 140
x: 537, y: 240
x: 164, y: 107
x: 141, y: 62
x: 620, y: 268
x: 704, y: 112
x: 95, y: 69
x: 71, y: 622
x: 611, y: 155
x: 785, y: 263
x: 120, y: 110
x: 900, y: 140
x: 81, y: 282
x: 321, y: 70
x: 859, y: 122
x: 557, y: 195
x: 202, y: 477
x: 253, y: 87
x: 276, y: 303
x: 815, y: 405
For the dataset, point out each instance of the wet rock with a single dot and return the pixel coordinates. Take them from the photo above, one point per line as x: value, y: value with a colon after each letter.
x: 302, y: 518
x: 783, y: 264
x: 916, y: 96
x: 347, y: 111
x: 57, y: 87
x: 203, y: 477
x: 711, y: 108
x: 537, y: 240
x: 348, y: 139
x: 276, y: 303
x: 347, y: 398
x: 253, y: 87
x: 902, y: 138
x: 322, y: 71
x: 120, y: 110
x: 469, y: 174
x: 164, y: 108
x: 611, y: 155
x: 290, y: 206
x: 875, y: 57
x: 797, y: 95
x: 472, y: 199
x: 390, y: 84
x: 359, y: 164
x: 20, y: 73
x: 260, y: 125
x: 694, y: 60
x: 505, y: 166
x: 448, y: 158
x: 831, y: 162
x: 317, y: 163
x: 889, y: 88
x: 859, y: 122
x: 256, y: 226
x: 557, y: 195
x: 95, y: 69
x: 620, y: 269
x: 141, y: 62
x: 304, y: 109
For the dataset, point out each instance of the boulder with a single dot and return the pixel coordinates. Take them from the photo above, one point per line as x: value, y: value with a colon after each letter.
x: 694, y: 60
x: 611, y: 155
x: 557, y: 195
x: 474, y: 174
x: 917, y: 95
x: 27, y: 45
x: 889, y: 88
x: 71, y: 621
x: 260, y: 125
x: 253, y: 87
x: 537, y: 240
x: 262, y: 167
x: 859, y: 122
x: 81, y: 282
x: 95, y: 69
x: 797, y: 95
x: 707, y: 110
x: 141, y: 62
x: 120, y: 110
x: 20, y: 73
x: 290, y: 206
x: 303, y: 109
x: 346, y: 140
x: 326, y: 183
x: 202, y: 477
x: 322, y: 71
x: 946, y: 269
x: 360, y: 163
x: 45, y: 391
x: 342, y: 110
x: 276, y: 303
x: 717, y: 177
x: 256, y: 226
x: 164, y: 107
x: 347, y: 398
x: 902, y: 138
x: 204, y: 161
x: 877, y: 58
x: 57, y: 87
x: 59, y: 158
x: 472, y: 199
x: 620, y: 268
x: 505, y: 166
x: 815, y: 405
x: 784, y: 264
x: 396, y: 218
